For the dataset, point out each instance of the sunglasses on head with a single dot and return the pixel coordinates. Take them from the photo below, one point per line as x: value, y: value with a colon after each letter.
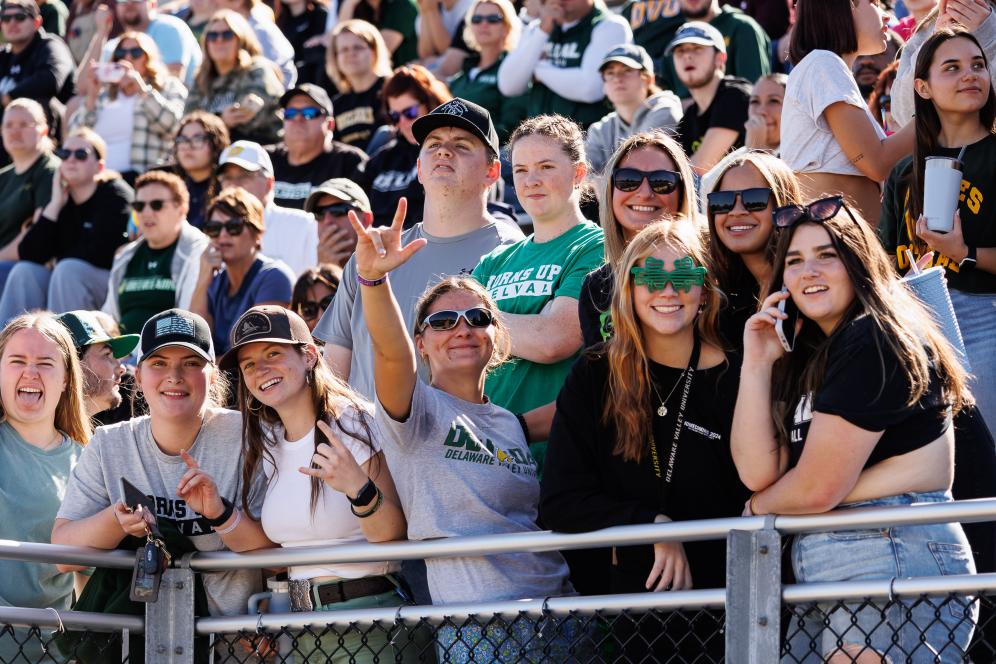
x: 449, y: 319
x: 156, y: 204
x: 219, y: 35
x: 308, y: 113
x: 17, y: 18
x: 80, y: 154
x: 754, y: 200
x: 334, y: 209
x: 411, y: 113
x: 310, y: 310
x: 661, y: 181
x: 493, y: 19
x: 818, y: 211
x: 232, y: 226
x: 134, y: 53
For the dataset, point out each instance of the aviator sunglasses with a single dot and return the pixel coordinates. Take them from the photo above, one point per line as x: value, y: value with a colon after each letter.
x: 817, y: 211
x: 449, y: 319
x: 233, y: 226
x: 310, y: 309
x: 410, y: 113
x: 661, y: 181
x: 80, y: 154
x: 754, y: 199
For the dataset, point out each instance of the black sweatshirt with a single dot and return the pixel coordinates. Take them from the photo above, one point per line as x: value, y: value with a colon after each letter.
x: 586, y: 487
x: 90, y: 231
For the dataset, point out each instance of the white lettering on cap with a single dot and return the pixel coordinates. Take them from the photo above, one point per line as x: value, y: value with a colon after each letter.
x: 453, y: 107
x: 174, y: 325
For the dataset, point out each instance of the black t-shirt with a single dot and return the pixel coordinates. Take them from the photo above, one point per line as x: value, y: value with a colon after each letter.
x: 294, y: 183
x: 586, y: 487
x: 390, y: 174
x: 358, y: 115
x: 299, y: 29
x: 90, y: 231
x: 865, y: 384
x: 741, y: 304
x: 977, y: 206
x: 594, y: 304
x: 728, y: 110
x: 198, y: 200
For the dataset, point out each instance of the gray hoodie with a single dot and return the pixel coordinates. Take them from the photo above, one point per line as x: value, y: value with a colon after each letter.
x: 902, y: 89
x: 659, y: 111
x: 184, y: 268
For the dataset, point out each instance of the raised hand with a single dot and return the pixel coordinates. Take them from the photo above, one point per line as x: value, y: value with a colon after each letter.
x: 379, y: 250
x: 198, y: 489
x: 336, y: 465
x: 756, y: 136
x: 335, y: 244
x: 761, y: 342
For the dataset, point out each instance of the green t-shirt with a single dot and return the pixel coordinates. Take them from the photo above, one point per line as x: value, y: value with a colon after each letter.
x: 654, y: 23
x: 400, y: 15
x: 32, y: 485
x: 522, y: 278
x: 23, y: 193
x: 147, y: 287
x: 482, y: 89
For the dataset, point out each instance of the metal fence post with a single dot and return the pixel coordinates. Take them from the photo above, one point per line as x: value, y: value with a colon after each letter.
x: 169, y: 622
x: 753, y: 596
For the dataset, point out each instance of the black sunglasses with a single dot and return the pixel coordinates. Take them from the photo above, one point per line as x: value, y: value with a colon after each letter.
x: 310, y: 310
x: 196, y: 141
x: 17, y: 18
x: 334, y: 209
x: 411, y: 113
x: 156, y: 204
x: 754, y: 199
x: 630, y: 179
x: 232, y: 226
x: 80, y: 154
x: 219, y: 35
x: 449, y: 319
x: 493, y: 19
x: 819, y: 211
x: 134, y: 53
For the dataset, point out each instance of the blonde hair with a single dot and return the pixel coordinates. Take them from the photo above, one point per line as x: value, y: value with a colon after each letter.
x: 509, y: 17
x: 70, y: 414
x: 155, y: 69
x: 249, y: 48
x: 369, y: 35
x: 615, y: 241
x: 630, y: 384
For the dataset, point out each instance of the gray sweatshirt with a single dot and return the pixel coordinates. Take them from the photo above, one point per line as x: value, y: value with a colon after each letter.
x: 659, y: 111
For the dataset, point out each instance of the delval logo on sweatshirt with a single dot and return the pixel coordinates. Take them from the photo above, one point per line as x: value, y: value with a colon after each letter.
x: 465, y: 445
x: 530, y: 282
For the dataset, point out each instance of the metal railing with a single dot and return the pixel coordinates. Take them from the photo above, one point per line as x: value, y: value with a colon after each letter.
x: 741, y: 623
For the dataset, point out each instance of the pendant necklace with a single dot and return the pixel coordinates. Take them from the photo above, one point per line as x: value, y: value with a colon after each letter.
x: 662, y: 409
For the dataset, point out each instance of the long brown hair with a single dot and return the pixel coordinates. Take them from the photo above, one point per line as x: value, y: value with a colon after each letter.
x: 928, y: 122
x: 615, y: 241
x: 249, y: 48
x: 730, y: 268
x: 331, y: 398
x: 630, y: 385
x: 907, y: 327
x: 70, y: 415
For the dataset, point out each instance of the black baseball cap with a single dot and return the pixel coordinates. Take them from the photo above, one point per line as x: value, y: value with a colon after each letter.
x: 633, y: 56
x: 86, y: 330
x: 313, y: 92
x: 177, y: 327
x: 269, y: 323
x: 458, y: 113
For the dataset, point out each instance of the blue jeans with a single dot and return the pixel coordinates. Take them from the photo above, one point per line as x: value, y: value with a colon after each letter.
x: 891, y: 628
x: 519, y: 639
x: 977, y: 320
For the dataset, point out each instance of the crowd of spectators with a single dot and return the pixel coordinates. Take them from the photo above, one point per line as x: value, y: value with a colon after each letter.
x: 371, y: 270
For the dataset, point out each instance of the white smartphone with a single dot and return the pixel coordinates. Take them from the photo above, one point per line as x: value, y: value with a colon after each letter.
x: 785, y: 327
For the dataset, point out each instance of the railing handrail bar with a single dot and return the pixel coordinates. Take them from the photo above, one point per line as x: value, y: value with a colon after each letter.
x: 94, y: 622
x: 965, y: 511
x: 961, y: 584
x: 535, y: 608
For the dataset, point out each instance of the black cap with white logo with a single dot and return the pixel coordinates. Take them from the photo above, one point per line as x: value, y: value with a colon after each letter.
x: 267, y: 323
x: 458, y: 113
x: 177, y: 327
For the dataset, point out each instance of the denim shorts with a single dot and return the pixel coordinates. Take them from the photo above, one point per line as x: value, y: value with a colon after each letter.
x: 931, y: 629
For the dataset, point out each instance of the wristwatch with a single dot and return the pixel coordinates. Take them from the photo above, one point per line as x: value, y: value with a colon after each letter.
x: 968, y: 262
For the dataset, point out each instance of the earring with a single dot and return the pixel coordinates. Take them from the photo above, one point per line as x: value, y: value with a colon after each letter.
x: 249, y: 403
x: 307, y: 377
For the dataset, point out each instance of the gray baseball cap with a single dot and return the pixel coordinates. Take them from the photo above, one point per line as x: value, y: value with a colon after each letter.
x: 342, y: 188
x: 697, y: 32
x: 633, y: 56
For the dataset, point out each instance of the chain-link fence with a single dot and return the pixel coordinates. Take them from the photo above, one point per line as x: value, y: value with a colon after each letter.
x: 625, y: 636
x: 31, y: 636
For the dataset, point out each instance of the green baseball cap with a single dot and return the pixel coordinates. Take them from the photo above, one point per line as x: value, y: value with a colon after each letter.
x: 87, y: 331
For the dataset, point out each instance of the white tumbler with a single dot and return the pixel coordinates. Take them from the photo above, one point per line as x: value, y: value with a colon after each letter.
x: 941, y: 189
